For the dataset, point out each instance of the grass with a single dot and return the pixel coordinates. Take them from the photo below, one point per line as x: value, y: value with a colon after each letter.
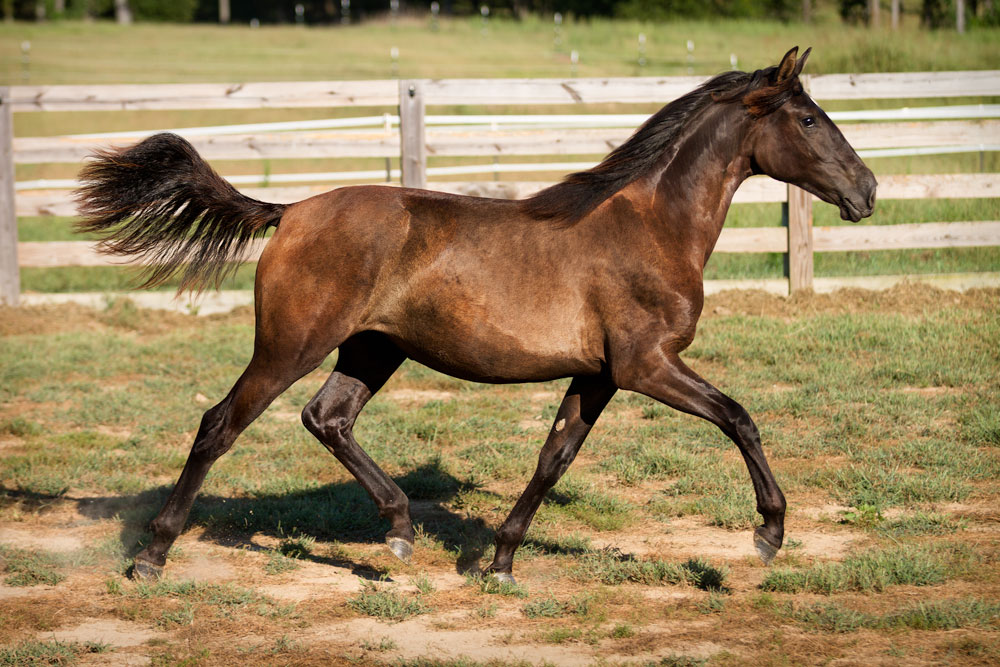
x: 73, y: 52
x: 885, y: 399
x: 833, y: 617
x: 38, y: 653
x: 386, y: 604
x: 873, y: 570
x: 62, y: 52
x: 25, y: 567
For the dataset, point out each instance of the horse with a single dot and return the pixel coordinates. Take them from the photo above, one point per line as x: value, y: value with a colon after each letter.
x: 598, y: 278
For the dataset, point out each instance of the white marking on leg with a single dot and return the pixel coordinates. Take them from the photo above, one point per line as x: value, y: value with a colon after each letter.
x: 560, y: 425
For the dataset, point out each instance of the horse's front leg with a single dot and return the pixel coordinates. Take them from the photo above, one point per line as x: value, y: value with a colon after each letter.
x: 580, y: 408
x: 664, y: 377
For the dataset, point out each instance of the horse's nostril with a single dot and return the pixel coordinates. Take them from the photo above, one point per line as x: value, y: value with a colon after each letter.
x: 871, y: 200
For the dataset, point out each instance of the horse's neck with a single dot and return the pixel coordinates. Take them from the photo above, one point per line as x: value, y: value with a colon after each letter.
x: 697, y: 183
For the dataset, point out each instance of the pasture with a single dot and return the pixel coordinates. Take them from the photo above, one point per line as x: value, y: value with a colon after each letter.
x: 877, y: 410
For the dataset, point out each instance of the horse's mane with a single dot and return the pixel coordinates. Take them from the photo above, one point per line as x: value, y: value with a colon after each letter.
x: 580, y: 193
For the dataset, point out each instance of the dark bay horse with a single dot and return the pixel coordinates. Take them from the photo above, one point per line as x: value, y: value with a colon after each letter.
x: 598, y: 278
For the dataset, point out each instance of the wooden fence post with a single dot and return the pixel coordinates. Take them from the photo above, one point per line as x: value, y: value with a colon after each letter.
x: 10, y: 279
x: 800, y: 239
x: 412, y: 144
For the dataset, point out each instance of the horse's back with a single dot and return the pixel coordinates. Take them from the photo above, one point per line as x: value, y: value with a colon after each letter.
x: 463, y: 284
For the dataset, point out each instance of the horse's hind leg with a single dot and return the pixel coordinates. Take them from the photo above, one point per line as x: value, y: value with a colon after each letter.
x: 263, y: 380
x: 364, y: 364
x: 580, y: 408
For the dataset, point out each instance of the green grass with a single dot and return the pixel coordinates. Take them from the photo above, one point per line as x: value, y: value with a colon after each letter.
x: 79, y: 53
x: 386, y: 604
x: 75, y: 52
x: 25, y: 567
x: 39, y: 653
x: 834, y: 617
x: 873, y: 570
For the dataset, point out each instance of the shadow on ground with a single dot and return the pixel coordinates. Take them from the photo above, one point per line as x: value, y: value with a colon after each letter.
x: 340, y: 512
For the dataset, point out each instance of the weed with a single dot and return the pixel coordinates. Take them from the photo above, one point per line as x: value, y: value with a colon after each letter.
x: 705, y: 576
x: 277, y: 563
x: 551, y: 608
x: 940, y: 615
x: 423, y: 584
x: 39, y: 653
x: 181, y: 616
x: 678, y: 661
x: 490, y: 585
x: 544, y: 608
x: 386, y: 604
x: 864, y: 516
x: 28, y: 568
x: 383, y: 644
x: 21, y: 427
x: 869, y: 571
x: 488, y: 610
x: 922, y: 524
x: 713, y: 604
x: 622, y: 631
x: 296, y: 547
x: 612, y: 567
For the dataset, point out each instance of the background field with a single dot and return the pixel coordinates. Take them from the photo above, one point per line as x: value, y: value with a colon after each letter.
x: 877, y: 410
x: 97, y: 53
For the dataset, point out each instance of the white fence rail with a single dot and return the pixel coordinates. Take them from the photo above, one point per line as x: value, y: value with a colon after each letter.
x: 901, y: 131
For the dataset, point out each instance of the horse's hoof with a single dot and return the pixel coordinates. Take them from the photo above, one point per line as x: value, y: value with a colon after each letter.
x: 143, y: 570
x: 765, y: 549
x: 504, y: 578
x: 400, y: 548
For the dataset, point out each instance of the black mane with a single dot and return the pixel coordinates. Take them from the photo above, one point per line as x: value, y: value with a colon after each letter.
x: 580, y: 193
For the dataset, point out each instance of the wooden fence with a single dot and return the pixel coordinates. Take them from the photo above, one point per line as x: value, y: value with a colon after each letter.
x: 415, y: 141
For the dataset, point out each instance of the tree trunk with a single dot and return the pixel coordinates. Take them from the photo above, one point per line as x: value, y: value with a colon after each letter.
x: 873, y: 11
x: 960, y: 16
x: 224, y: 14
x: 895, y: 14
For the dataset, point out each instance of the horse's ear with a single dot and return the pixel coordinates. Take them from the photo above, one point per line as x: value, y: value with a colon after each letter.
x: 787, y: 68
x: 801, y: 62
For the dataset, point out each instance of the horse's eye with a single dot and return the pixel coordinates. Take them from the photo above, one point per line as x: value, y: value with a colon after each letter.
x: 808, y: 121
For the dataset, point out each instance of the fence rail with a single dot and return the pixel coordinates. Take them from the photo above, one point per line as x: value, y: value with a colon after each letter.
x: 929, y: 129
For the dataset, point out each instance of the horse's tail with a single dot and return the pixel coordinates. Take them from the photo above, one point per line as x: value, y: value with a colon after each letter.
x: 160, y: 202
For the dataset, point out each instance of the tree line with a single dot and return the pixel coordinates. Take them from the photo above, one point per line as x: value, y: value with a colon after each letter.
x: 933, y: 13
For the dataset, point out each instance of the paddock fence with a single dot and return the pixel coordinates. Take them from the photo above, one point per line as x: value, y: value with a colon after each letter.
x: 411, y: 136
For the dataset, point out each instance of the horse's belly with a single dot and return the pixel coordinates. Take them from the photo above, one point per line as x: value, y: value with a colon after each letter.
x: 498, y: 341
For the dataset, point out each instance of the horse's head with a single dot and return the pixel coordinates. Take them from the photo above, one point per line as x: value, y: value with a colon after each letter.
x: 794, y: 141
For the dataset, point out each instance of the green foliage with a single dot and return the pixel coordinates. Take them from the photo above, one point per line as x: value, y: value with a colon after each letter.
x: 487, y: 583
x: 549, y: 607
x: 174, y: 11
x: 36, y: 653
x: 921, y: 523
x: 705, y: 576
x: 873, y: 570
x: 385, y: 603
x: 612, y: 567
x: 939, y: 615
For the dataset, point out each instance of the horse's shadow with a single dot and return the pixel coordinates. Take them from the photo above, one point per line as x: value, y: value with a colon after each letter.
x: 338, y: 512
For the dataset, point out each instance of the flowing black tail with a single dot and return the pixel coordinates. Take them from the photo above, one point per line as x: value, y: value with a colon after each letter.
x: 161, y: 203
